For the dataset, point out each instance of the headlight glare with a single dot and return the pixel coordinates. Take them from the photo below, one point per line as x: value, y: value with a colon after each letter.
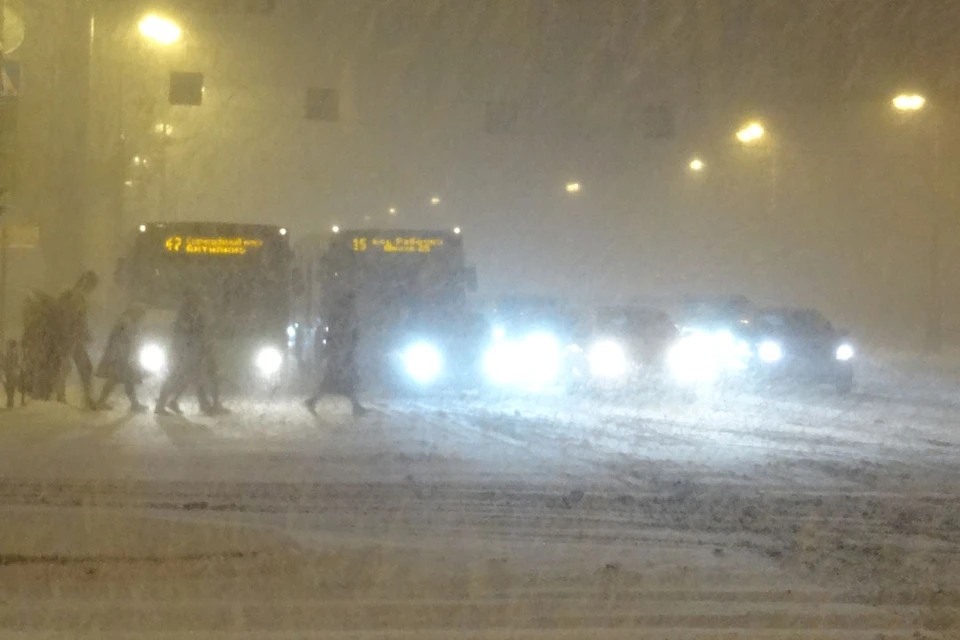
x: 845, y: 352
x: 268, y: 361
x: 769, y: 351
x: 153, y: 358
x: 607, y: 360
x: 422, y: 362
x: 531, y: 363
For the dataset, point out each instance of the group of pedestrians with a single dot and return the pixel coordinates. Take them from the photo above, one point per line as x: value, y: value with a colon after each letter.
x: 57, y: 336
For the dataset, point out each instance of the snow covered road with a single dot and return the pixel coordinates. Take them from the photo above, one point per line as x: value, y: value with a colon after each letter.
x: 772, y: 515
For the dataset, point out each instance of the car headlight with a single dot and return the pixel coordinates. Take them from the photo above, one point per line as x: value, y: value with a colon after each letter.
x: 153, y: 358
x: 533, y: 362
x: 693, y: 359
x: 422, y: 362
x: 269, y: 360
x: 607, y: 360
x: 845, y: 352
x: 769, y: 351
x: 543, y: 356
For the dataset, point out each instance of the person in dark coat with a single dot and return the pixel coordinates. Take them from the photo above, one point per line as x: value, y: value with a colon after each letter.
x: 187, y: 348
x: 340, y: 376
x: 118, y: 364
x: 74, y: 335
x: 10, y: 368
x: 205, y: 378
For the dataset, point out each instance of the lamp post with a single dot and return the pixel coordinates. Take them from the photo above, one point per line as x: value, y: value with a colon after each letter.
x: 910, y: 105
x: 753, y: 134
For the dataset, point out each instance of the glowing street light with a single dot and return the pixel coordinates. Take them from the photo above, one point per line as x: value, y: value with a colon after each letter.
x: 908, y: 102
x: 435, y: 200
x: 163, y: 128
x: 159, y: 29
x: 750, y: 133
x: 392, y: 211
x: 456, y: 230
x: 696, y: 165
x: 573, y: 187
x: 336, y: 229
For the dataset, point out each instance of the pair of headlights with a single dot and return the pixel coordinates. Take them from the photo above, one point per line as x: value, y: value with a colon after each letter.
x: 533, y: 362
x: 267, y: 360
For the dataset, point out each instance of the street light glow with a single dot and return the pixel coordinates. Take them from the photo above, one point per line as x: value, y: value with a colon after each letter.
x: 143, y: 228
x: 573, y: 187
x: 163, y: 128
x: 336, y: 229
x: 159, y: 29
x: 696, y: 165
x: 283, y: 231
x: 909, y: 102
x: 392, y: 211
x: 751, y: 133
x: 456, y: 230
x: 435, y: 200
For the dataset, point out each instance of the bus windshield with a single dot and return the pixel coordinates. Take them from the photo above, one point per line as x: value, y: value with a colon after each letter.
x: 241, y: 270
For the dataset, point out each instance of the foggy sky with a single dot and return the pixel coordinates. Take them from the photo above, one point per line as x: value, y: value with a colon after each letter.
x: 853, y: 184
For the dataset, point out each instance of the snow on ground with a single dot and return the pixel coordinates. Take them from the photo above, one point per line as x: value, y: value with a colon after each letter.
x: 772, y: 515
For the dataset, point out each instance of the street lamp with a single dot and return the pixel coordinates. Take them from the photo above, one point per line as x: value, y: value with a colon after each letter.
x: 696, y: 165
x: 573, y: 187
x: 392, y: 211
x: 161, y: 30
x: 751, y: 133
x: 435, y: 200
x: 908, y: 102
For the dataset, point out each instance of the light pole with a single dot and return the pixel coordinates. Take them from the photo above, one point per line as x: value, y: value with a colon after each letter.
x: 159, y: 32
x: 910, y: 105
x: 753, y: 134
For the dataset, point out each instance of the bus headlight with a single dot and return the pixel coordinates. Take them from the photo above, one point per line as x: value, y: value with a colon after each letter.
x: 268, y: 361
x: 607, y: 360
x: 422, y: 362
x: 153, y: 358
x: 845, y: 352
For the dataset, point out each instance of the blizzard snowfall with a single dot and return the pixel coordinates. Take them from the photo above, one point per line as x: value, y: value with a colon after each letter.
x: 760, y: 515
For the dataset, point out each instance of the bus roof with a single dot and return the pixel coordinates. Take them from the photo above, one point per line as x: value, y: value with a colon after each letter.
x: 215, y: 228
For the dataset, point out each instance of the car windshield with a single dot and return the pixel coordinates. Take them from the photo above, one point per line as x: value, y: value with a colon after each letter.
x: 448, y: 319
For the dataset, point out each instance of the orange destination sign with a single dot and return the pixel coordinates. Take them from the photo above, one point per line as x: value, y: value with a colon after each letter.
x: 211, y: 246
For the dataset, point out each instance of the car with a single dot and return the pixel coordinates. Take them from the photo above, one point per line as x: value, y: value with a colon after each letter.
x: 628, y: 343
x: 534, y: 344
x: 800, y: 345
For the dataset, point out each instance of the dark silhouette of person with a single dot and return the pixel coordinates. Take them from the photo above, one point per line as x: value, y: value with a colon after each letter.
x: 340, y: 375
x: 118, y: 365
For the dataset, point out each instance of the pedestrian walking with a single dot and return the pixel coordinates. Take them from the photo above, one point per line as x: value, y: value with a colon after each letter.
x: 188, y: 348
x: 340, y: 375
x: 11, y: 372
x: 74, y: 336
x: 118, y: 365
